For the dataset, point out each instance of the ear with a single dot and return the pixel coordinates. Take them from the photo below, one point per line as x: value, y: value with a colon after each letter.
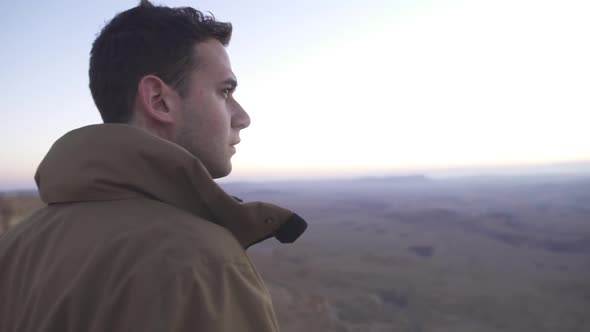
x: 157, y: 100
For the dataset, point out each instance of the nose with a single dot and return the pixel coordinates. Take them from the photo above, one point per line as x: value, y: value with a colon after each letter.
x: 240, y: 119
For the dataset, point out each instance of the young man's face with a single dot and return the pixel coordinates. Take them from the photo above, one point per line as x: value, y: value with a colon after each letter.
x: 211, y: 119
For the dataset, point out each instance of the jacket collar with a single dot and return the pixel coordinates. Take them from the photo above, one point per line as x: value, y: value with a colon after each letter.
x: 117, y: 161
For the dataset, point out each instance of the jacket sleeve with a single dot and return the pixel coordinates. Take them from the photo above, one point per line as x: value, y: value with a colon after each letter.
x: 208, y: 297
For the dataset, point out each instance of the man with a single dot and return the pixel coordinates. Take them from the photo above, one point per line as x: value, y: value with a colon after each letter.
x: 136, y: 235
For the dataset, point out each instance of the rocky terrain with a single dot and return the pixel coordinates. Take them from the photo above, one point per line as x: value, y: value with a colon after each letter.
x: 481, y: 254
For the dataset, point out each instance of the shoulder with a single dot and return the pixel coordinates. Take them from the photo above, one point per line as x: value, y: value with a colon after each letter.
x: 173, y: 233
x: 129, y: 234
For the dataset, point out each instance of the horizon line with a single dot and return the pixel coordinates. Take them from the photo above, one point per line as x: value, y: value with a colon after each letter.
x: 573, y: 168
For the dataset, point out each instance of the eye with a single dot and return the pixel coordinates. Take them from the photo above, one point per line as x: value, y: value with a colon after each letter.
x: 227, y: 92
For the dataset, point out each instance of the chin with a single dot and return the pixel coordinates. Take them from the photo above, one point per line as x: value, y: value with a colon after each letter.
x: 221, y: 172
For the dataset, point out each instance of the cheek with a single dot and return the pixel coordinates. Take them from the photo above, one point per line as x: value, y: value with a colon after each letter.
x: 213, y: 127
x: 217, y: 122
x: 209, y: 113
x: 218, y: 117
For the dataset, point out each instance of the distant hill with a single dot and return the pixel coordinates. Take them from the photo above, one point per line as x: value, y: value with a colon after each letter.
x: 401, y: 179
x: 574, y: 168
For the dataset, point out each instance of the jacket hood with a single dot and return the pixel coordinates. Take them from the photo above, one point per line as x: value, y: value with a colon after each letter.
x: 118, y: 161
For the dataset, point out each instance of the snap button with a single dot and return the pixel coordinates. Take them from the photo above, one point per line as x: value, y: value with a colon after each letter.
x: 268, y: 220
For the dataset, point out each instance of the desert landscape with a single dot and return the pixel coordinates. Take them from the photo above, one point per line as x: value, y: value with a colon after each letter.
x: 412, y: 253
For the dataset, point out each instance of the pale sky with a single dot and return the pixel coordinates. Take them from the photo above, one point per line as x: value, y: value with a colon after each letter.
x: 335, y: 87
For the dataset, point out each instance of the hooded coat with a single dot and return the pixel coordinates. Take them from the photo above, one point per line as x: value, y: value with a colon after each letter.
x: 136, y: 236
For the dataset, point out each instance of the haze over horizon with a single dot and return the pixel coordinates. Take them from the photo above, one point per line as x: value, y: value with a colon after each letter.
x: 336, y: 88
x: 562, y: 170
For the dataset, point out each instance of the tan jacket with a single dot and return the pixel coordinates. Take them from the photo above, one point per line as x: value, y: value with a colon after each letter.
x: 136, y: 236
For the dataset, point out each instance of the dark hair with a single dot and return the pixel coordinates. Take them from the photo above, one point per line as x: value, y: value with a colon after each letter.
x: 144, y: 40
